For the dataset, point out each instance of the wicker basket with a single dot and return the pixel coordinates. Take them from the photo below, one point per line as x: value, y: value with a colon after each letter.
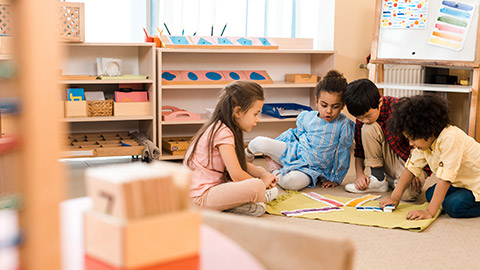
x: 100, y: 107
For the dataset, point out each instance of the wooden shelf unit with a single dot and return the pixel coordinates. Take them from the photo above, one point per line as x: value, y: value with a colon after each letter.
x: 293, y: 56
x: 137, y: 58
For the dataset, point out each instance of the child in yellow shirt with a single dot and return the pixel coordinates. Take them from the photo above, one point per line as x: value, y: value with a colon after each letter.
x: 452, y: 155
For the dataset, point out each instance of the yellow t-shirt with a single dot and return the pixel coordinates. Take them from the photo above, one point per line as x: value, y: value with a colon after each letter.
x: 453, y: 156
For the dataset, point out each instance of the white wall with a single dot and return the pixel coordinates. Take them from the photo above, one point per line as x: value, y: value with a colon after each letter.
x: 114, y: 20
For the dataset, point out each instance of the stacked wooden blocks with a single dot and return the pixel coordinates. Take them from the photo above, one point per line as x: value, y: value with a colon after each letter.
x: 140, y: 218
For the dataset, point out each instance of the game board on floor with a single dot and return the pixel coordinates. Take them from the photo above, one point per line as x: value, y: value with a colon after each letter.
x: 331, y: 208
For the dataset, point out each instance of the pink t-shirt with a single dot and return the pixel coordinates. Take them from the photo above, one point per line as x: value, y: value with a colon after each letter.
x: 203, y: 176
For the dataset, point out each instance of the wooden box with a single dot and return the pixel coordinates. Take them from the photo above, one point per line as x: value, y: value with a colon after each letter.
x: 132, y: 108
x: 176, y: 145
x: 76, y: 108
x: 142, y: 242
x: 301, y: 78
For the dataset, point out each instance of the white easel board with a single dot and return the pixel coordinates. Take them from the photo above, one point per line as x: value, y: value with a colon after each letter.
x: 413, y: 44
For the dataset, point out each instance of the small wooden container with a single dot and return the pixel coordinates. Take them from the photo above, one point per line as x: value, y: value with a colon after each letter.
x: 301, y: 78
x: 176, y: 145
x: 132, y: 108
x: 75, y: 109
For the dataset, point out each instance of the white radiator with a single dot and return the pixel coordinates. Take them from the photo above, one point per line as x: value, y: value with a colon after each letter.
x: 403, y: 74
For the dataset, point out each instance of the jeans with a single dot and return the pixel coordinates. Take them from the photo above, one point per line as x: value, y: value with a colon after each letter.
x: 458, y: 202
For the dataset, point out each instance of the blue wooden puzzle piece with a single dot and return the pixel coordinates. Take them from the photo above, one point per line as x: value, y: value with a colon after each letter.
x: 244, y: 41
x: 192, y: 76
x: 179, y: 40
x: 256, y: 76
x: 214, y: 76
x: 224, y: 41
x: 234, y: 75
x: 264, y: 41
x: 168, y: 76
x: 202, y: 41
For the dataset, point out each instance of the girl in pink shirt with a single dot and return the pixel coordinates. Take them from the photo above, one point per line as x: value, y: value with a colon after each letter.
x: 222, y: 179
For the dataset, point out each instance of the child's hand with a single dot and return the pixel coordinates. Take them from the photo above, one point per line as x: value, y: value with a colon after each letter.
x: 416, y: 184
x: 418, y: 214
x: 388, y: 201
x: 328, y: 184
x: 362, y: 182
x: 269, y: 180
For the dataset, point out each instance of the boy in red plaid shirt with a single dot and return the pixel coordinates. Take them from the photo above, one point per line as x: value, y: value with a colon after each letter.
x: 375, y: 147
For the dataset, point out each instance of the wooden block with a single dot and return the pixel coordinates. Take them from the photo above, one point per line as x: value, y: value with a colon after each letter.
x: 234, y: 75
x: 301, y: 78
x: 259, y: 76
x: 75, y: 109
x: 117, y: 189
x: 142, y: 242
x: 188, y: 263
x: 171, y: 77
x: 202, y: 77
x: 132, y: 108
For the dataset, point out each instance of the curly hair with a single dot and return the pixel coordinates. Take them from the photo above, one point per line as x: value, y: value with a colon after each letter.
x: 333, y: 82
x: 361, y: 96
x: 419, y: 117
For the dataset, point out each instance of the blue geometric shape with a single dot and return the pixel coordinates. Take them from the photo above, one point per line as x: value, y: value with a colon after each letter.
x: 224, y: 41
x: 244, y: 41
x: 264, y: 41
x: 192, y: 76
x: 202, y: 41
x: 234, y: 75
x: 214, y: 76
x: 179, y: 40
x: 256, y: 76
x: 168, y: 76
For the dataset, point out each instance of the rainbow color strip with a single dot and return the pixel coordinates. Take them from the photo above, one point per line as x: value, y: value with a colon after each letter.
x: 451, y: 26
x: 320, y: 198
x: 361, y: 200
x: 301, y: 212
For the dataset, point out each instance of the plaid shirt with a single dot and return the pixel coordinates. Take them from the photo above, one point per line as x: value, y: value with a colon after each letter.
x: 399, y: 145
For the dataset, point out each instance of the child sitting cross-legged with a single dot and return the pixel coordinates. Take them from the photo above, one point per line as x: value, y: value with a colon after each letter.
x: 222, y: 179
x: 452, y: 155
x: 318, y: 149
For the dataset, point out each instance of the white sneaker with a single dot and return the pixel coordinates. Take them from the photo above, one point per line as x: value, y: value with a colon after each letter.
x: 271, y: 194
x: 249, y: 209
x: 374, y: 186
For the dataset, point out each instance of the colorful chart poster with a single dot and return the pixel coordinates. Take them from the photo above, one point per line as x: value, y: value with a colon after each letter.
x: 451, y: 25
x: 404, y: 14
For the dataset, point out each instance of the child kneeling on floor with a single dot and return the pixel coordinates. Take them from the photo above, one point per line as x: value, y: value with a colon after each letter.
x: 222, y: 179
x: 452, y: 155
x: 318, y: 149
